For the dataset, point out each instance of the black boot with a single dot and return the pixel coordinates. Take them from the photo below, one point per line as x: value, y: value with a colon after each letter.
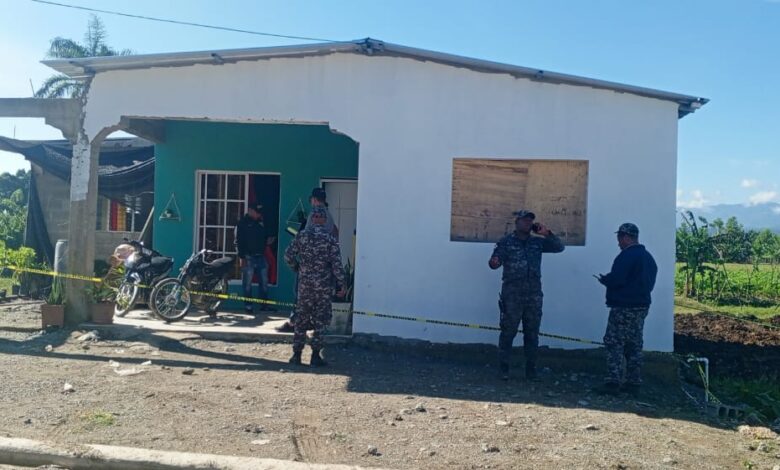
x: 295, y: 359
x: 608, y: 388
x: 530, y: 370
x: 316, y: 360
x: 503, y: 368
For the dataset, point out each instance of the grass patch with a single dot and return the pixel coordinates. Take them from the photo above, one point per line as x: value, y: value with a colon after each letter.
x: 762, y: 395
x: 5, y: 284
x: 734, y: 285
x: 684, y: 305
x: 99, y: 418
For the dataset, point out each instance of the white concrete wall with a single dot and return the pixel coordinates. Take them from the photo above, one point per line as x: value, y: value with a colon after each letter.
x: 411, y: 119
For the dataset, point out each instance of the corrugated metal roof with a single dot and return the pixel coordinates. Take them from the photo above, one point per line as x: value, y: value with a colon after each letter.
x: 86, y: 67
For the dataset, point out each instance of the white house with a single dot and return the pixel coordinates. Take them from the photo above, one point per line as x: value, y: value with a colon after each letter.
x: 441, y: 149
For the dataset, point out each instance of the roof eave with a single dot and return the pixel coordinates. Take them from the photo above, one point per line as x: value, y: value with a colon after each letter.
x: 88, y: 67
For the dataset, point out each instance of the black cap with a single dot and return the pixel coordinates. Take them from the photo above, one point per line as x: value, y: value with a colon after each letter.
x: 629, y: 229
x: 256, y: 206
x: 524, y: 213
x: 318, y: 194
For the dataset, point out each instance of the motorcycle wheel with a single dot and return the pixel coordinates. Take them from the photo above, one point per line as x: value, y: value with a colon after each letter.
x: 213, y: 306
x: 170, y: 300
x: 126, y: 295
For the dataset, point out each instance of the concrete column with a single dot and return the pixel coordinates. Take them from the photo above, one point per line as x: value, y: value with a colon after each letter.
x: 81, y: 228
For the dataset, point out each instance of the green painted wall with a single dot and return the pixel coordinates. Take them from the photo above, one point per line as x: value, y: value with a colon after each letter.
x: 302, y: 154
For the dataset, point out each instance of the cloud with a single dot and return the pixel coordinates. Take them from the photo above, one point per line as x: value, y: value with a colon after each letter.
x: 697, y: 200
x: 763, y: 197
x: 748, y: 183
x: 776, y: 210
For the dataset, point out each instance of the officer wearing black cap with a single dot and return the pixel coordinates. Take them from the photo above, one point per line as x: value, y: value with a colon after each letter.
x: 629, y: 285
x: 520, y: 253
x: 318, y: 198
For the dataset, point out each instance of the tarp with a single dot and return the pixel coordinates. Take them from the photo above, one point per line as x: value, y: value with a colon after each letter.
x: 126, y: 165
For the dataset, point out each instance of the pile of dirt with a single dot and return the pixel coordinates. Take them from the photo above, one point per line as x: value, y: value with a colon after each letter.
x: 734, y: 346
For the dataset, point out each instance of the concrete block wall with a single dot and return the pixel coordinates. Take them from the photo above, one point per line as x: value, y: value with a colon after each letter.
x: 54, y: 195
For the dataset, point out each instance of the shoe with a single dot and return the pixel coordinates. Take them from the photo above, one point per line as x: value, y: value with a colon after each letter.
x: 631, y: 389
x: 316, y: 360
x: 286, y: 328
x: 295, y: 359
x: 249, y: 310
x: 530, y: 371
x: 504, y: 368
x: 608, y: 388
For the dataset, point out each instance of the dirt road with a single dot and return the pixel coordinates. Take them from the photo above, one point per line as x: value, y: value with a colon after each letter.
x: 368, y: 408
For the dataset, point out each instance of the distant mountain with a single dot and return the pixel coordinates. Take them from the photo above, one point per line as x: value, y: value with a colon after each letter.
x: 757, y: 216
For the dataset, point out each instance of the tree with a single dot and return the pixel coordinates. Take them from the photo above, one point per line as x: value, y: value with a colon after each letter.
x: 695, y: 247
x: 62, y: 86
x: 734, y: 242
x: 765, y: 246
x: 14, y: 191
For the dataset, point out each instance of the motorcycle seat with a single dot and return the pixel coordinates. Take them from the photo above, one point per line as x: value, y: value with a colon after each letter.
x: 161, y: 260
x: 220, y: 262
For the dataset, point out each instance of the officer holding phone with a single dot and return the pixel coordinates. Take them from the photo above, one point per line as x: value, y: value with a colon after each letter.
x: 520, y: 253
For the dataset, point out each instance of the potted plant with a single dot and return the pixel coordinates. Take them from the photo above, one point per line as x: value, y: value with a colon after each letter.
x: 101, y: 307
x: 53, y: 311
x: 341, y: 321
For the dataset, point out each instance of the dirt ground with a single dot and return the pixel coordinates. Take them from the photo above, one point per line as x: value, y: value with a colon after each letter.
x: 735, y: 348
x: 367, y: 408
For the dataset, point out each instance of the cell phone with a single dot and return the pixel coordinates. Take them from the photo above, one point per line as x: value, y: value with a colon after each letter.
x: 536, y: 227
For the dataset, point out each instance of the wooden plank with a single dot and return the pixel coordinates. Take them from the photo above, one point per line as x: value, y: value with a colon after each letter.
x: 485, y: 192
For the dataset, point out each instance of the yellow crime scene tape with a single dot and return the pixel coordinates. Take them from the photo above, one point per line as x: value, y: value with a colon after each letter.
x: 239, y: 298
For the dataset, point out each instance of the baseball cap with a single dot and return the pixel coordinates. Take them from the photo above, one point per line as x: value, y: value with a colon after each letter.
x: 629, y: 229
x: 319, y: 194
x: 524, y: 213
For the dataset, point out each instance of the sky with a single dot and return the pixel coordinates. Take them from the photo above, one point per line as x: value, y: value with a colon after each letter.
x: 724, y: 50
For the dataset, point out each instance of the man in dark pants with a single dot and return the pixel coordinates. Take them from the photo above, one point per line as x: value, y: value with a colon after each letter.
x: 316, y: 257
x: 251, y: 239
x: 521, y: 292
x: 629, y: 285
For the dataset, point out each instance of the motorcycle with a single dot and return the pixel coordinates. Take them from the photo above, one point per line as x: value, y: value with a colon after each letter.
x: 143, y: 268
x: 198, y: 284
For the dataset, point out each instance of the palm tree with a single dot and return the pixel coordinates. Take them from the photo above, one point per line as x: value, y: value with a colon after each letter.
x: 62, y: 86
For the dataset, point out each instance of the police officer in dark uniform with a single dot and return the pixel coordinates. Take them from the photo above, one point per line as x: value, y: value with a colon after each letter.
x: 315, y: 255
x: 629, y: 285
x: 520, y: 253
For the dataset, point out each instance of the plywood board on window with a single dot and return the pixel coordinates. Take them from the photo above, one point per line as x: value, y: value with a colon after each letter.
x: 485, y: 193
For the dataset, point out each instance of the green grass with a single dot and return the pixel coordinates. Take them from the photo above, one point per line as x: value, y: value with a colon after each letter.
x: 745, y: 289
x: 761, y: 395
x: 683, y: 305
x: 5, y: 284
x: 99, y: 418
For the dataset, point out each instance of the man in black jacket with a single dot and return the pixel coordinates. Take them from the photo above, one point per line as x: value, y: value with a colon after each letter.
x: 251, y: 239
x: 629, y: 285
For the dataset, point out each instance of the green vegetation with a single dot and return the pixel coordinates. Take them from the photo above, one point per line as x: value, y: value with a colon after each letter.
x: 723, y: 267
x: 761, y: 395
x: 94, y: 45
x: 14, y: 191
x: 99, y: 418
x: 684, y: 306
